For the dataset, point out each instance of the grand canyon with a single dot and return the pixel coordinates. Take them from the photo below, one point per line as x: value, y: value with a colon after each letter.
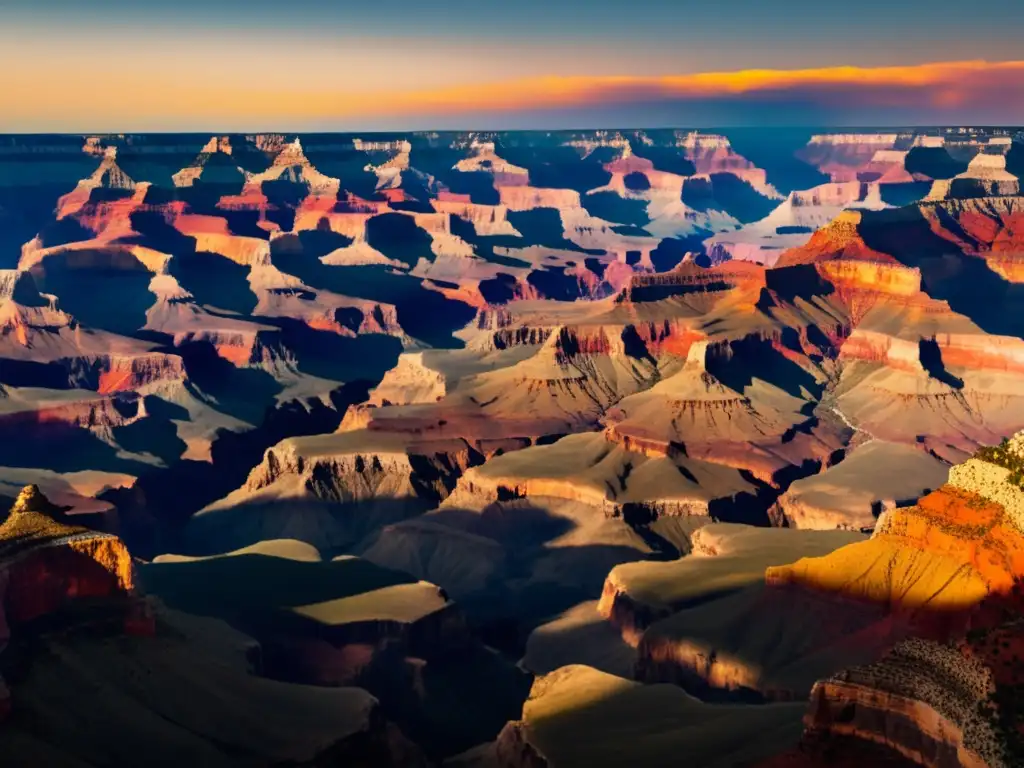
x: 513, y: 449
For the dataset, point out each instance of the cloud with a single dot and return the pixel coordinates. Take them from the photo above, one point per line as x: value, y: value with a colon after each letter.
x: 943, y: 92
x: 933, y: 89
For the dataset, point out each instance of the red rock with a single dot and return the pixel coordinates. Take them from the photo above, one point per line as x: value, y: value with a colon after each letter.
x: 49, y: 563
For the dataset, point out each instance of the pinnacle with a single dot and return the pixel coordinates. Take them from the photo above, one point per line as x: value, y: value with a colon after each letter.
x: 31, y: 499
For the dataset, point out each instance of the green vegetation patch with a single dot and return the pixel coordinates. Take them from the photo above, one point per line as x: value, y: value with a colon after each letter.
x: 1004, y: 455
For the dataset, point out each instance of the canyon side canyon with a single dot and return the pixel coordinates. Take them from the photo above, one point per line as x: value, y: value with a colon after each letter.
x: 512, y: 449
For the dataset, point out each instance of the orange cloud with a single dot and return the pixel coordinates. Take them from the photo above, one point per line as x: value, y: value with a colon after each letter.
x: 125, y: 100
x: 942, y: 81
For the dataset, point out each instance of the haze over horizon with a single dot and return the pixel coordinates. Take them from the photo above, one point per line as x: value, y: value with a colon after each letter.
x: 226, y: 65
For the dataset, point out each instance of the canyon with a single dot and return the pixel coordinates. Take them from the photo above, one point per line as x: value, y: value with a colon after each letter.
x: 512, y: 449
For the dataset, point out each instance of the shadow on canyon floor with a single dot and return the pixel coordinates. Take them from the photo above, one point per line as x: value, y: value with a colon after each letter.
x: 152, y: 513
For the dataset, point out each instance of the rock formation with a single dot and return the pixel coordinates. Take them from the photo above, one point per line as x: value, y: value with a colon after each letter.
x: 577, y: 715
x: 952, y: 563
x: 52, y: 571
x: 875, y: 478
x: 621, y: 399
x: 845, y: 156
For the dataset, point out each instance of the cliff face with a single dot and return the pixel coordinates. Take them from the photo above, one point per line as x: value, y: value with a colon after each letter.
x: 370, y: 474
x: 847, y: 157
x: 947, y: 703
x: 30, y: 536
x: 35, y: 333
x: 840, y: 239
x: 922, y: 700
x: 333, y: 490
x: 986, y: 176
x: 953, y: 566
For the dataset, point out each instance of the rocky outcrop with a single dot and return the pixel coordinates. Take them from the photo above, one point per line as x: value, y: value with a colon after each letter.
x: 108, y: 175
x: 708, y: 419
x: 193, y: 172
x: 944, y: 698
x: 483, y: 157
x: 923, y: 699
x: 688, y: 278
x: 363, y: 473
x: 849, y: 156
x: 32, y: 533
x: 945, y: 702
x: 638, y: 595
x: 872, y: 479
x: 955, y: 547
x: 619, y: 478
x: 290, y: 163
x: 52, y: 571
x: 841, y: 245
x: 986, y: 176
x: 332, y: 490
x: 411, y: 381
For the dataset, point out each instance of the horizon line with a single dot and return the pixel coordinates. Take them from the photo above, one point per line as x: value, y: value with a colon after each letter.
x: 858, y: 128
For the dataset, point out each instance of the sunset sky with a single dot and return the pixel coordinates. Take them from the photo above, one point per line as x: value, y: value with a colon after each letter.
x: 123, y: 65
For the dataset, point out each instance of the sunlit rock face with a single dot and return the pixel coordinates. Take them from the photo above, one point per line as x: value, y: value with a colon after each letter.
x: 37, y: 546
x: 55, y: 572
x: 953, y: 564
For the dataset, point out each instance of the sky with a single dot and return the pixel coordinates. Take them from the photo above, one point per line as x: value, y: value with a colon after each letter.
x: 306, y: 65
